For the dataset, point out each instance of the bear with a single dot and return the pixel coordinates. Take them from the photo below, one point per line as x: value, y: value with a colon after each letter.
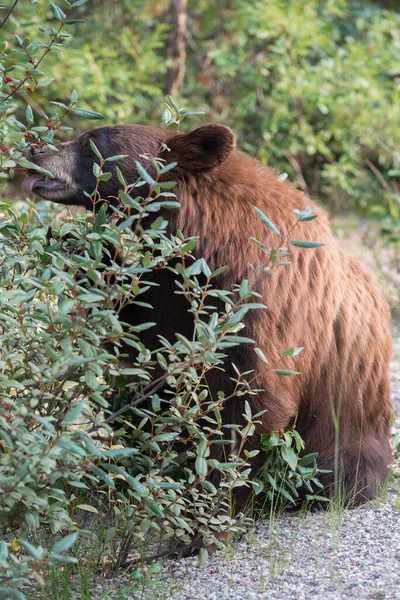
x: 324, y: 301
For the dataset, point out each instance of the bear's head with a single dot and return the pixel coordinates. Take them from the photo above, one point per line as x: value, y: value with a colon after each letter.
x: 71, y: 164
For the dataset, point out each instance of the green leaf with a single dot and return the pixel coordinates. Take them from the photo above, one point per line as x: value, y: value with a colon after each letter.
x: 292, y: 351
x: 102, y: 475
x: 261, y: 355
x: 104, y: 176
x: 121, y: 452
x: 305, y: 244
x: 3, y: 550
x: 88, y: 508
x: 289, y: 456
x: 101, y: 219
x: 305, y: 214
x: 95, y: 150
x: 57, y: 12
x: 87, y: 114
x: 318, y: 498
x: 284, y: 372
x: 74, y: 414
x: 37, y: 553
x: 29, y: 114
x: 201, y: 466
x: 60, y: 558
x: 308, y: 459
x: 165, y: 437
x: 90, y: 297
x: 64, y: 544
x: 258, y: 486
x: 27, y: 164
x: 153, y: 508
x: 8, y: 593
x: 136, y: 485
x: 269, y: 440
x: 117, y: 157
x: 154, y: 568
x: 266, y: 221
x: 143, y: 174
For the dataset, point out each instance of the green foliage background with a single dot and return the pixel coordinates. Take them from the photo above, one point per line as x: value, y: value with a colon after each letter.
x: 301, y: 82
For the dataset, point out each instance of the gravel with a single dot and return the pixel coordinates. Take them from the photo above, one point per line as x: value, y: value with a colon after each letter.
x: 301, y: 557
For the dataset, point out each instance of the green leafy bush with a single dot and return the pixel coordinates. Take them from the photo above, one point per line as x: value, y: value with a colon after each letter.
x: 285, y: 479
x: 63, y: 379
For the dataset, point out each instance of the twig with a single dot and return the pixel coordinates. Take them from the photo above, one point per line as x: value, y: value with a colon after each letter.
x: 390, y: 150
x: 45, y: 53
x: 299, y: 173
x: 379, y: 176
x: 8, y: 15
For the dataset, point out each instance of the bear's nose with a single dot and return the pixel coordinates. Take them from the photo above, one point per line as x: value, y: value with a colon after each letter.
x: 34, y: 151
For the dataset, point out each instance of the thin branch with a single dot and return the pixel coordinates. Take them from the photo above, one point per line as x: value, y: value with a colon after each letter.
x: 8, y: 15
x: 45, y: 53
x: 177, y: 47
x: 379, y: 176
x: 299, y: 173
x: 390, y: 150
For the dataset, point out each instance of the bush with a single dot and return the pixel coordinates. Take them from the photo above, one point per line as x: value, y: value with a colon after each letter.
x: 62, y: 373
x: 82, y: 431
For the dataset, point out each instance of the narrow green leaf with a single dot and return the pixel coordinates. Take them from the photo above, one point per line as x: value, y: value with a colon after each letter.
x: 3, y: 550
x: 95, y: 150
x: 87, y: 114
x: 37, y: 553
x: 57, y: 12
x: 305, y: 244
x: 29, y: 114
x: 284, y: 372
x: 201, y: 466
x: 154, y: 568
x: 308, y: 459
x: 143, y: 174
x: 27, y: 164
x: 65, y: 543
x: 292, y: 351
x: 88, y: 508
x: 153, y: 508
x: 261, y: 355
x: 121, y: 452
x: 289, y: 456
x: 266, y: 221
x: 73, y: 414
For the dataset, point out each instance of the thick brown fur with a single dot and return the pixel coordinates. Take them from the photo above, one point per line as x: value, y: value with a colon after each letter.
x: 325, y: 301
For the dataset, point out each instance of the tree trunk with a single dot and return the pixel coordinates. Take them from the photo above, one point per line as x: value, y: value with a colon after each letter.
x: 176, y: 47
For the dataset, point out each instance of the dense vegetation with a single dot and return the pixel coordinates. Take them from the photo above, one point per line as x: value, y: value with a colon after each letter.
x: 311, y: 88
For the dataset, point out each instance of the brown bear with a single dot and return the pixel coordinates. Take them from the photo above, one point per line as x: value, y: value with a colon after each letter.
x: 325, y: 301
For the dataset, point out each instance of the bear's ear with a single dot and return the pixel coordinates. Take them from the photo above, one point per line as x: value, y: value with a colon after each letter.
x: 201, y: 149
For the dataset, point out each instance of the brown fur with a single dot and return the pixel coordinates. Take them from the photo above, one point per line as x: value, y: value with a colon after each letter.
x: 325, y: 301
